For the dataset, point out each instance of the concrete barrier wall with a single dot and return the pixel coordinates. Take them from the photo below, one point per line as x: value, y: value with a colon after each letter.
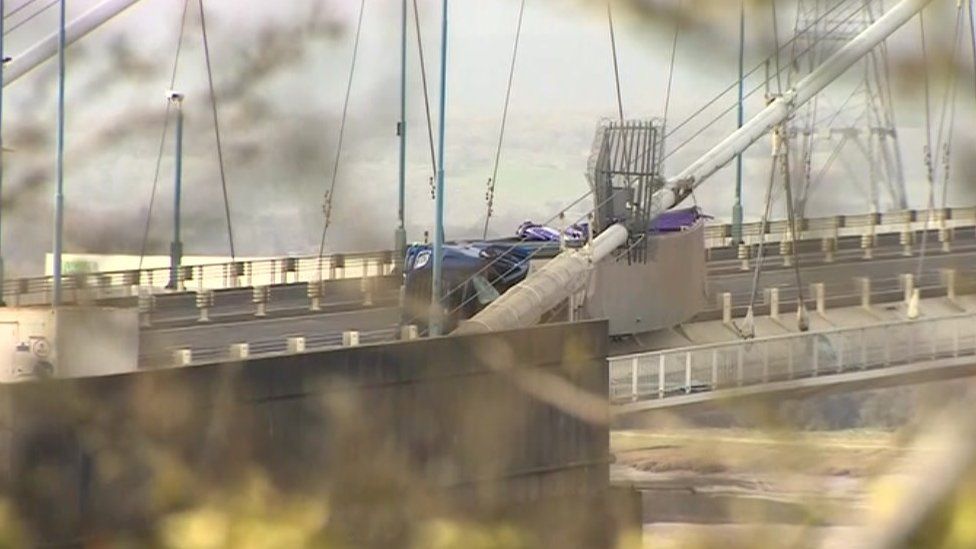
x: 668, y: 289
x: 391, y: 436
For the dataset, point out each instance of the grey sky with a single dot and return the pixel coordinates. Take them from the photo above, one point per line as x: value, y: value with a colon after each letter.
x: 281, y: 69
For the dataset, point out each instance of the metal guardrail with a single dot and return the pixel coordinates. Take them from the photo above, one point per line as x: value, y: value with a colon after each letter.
x: 720, y: 236
x: 266, y: 272
x: 216, y: 276
x: 703, y: 368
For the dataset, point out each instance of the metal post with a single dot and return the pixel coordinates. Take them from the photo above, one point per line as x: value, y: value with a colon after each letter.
x: 789, y: 359
x: 816, y: 358
x: 739, y: 359
x: 635, y: 362
x: 176, y: 247
x: 714, y: 369
x: 737, y: 207
x: 2, y: 57
x: 400, y: 237
x: 765, y: 370
x: 688, y: 372
x: 59, y: 165
x: 774, y: 303
x: 436, y: 288
x: 661, y: 375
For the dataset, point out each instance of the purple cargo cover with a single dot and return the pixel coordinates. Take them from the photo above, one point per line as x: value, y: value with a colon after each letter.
x: 677, y: 220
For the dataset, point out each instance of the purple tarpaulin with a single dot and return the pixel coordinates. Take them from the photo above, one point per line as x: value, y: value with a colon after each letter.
x: 677, y: 220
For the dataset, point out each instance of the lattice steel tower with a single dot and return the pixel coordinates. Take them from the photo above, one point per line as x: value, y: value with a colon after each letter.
x: 859, y: 129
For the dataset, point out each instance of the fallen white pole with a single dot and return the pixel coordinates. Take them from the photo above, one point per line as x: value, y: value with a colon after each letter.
x: 524, y: 304
x: 40, y: 52
x: 680, y: 186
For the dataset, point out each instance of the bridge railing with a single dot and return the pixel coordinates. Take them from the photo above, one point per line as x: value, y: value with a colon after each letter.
x: 752, y: 362
x: 260, y: 348
x: 214, y: 276
x: 720, y: 236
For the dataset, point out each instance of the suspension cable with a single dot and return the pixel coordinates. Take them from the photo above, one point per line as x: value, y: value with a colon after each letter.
x: 30, y: 17
x: 761, y: 254
x: 18, y: 9
x: 490, y: 195
x: 327, y: 209
x: 423, y: 77
x: 776, y: 49
x: 947, y: 118
x: 674, y: 50
x: 720, y: 115
x: 762, y: 63
x: 616, y: 66
x: 162, y: 139
x: 220, y: 148
x: 929, y: 175
x: 791, y: 219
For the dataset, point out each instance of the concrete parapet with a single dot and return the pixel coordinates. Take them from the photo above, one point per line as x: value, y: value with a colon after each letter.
x: 350, y: 338
x: 296, y: 345
x: 239, y: 351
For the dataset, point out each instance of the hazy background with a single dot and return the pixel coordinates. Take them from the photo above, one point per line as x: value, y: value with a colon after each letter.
x: 281, y: 69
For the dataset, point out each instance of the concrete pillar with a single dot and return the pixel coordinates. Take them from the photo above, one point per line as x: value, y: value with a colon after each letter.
x: 409, y: 332
x: 147, y: 302
x: 908, y: 285
x: 350, y: 338
x: 205, y: 301
x: 913, y: 304
x: 949, y: 280
x: 864, y: 288
x: 314, y: 295
x: 182, y: 357
x: 774, y: 303
x: 260, y: 296
x: 130, y: 280
x: 867, y: 245
x: 365, y: 285
x: 945, y: 237
x: 296, y: 345
x: 819, y: 295
x: 829, y: 246
x: 906, y: 240
x: 237, y: 271
x: 743, y: 255
x: 200, y: 278
x: 239, y: 351
x: 726, y: 308
x: 786, y: 251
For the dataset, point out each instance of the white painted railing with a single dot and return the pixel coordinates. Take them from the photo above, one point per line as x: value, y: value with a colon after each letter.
x: 216, y: 276
x: 720, y: 236
x: 357, y: 265
x: 752, y: 362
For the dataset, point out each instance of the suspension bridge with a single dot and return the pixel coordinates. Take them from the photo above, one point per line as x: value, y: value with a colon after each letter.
x: 193, y: 314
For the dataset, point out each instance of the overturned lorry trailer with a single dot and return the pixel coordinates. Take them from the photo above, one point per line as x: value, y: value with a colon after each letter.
x: 566, y: 275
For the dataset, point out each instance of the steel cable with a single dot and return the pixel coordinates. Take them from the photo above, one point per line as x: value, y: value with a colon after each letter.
x: 423, y: 78
x: 162, y: 139
x: 327, y: 209
x: 729, y: 109
x: 490, y: 198
x: 220, y: 148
